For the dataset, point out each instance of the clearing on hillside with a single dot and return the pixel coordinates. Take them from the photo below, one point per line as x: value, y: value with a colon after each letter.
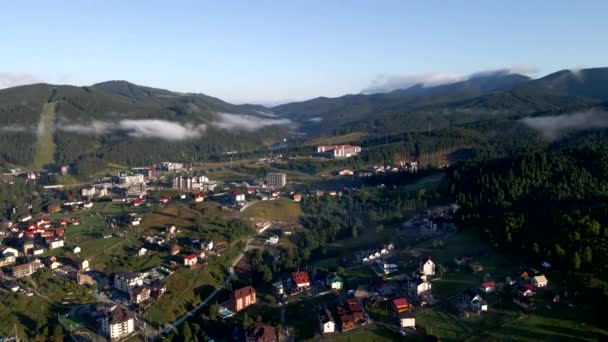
x: 45, y: 147
x: 281, y: 209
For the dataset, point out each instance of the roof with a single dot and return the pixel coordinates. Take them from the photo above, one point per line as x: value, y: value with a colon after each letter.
x: 528, y: 287
x: 488, y: 284
x: 126, y: 275
x: 300, y: 277
x: 190, y: 256
x: 400, y: 302
x: 262, y: 333
x: 332, y: 278
x: 243, y: 292
x: 541, y: 279
x: 119, y: 315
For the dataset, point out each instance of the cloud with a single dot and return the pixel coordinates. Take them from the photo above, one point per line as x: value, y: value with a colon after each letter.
x: 386, y: 83
x: 161, y: 129
x: 245, y: 122
x: 13, y: 79
x: 552, y: 127
x: 15, y: 128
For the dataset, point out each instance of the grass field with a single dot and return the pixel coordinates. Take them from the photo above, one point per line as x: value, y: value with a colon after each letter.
x: 45, y: 147
x: 372, y: 334
x: 282, y: 209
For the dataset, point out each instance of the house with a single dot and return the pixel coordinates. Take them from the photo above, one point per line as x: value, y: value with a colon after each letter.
x: 327, y: 323
x: 24, y: 218
x: 474, y: 301
x: 242, y: 298
x: 53, y: 208
x: 27, y: 247
x: 76, y: 250
x: 7, y: 258
x: 199, y: 197
x: 127, y: 281
x: 476, y: 266
x: 37, y: 250
x: 237, y: 195
x: 526, y: 290
x: 117, y: 323
x: 278, y: 288
x: 523, y: 302
x: 25, y: 270
x: 10, y: 250
x: 540, y: 281
x: 138, y: 202
x: 419, y: 286
x: 164, y: 199
x: 190, y: 260
x: 346, y: 173
x: 135, y: 220
x: 142, y: 251
x: 488, y: 287
x: 407, y: 320
x: 170, y: 229
x: 351, y: 314
x: 81, y: 264
x: 334, y: 282
x: 55, y: 243
x: 207, y: 245
x: 297, y: 197
x: 11, y: 285
x: 387, y: 265
x: 401, y: 305
x: 85, y: 279
x: 427, y: 267
x: 139, y: 294
x: 175, y: 249
x: 273, y: 240
x: 301, y: 279
x: 261, y: 333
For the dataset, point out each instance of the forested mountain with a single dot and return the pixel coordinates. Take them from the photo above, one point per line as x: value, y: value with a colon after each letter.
x: 125, y: 123
x: 478, y: 98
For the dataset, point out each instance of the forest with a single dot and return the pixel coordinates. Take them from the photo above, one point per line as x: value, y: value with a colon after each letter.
x: 550, y: 204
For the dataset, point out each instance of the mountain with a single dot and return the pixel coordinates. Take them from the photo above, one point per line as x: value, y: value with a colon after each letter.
x: 480, y: 97
x: 125, y: 123
x: 477, y: 85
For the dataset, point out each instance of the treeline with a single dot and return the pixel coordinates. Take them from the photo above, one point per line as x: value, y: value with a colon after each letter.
x: 327, y: 219
x: 549, y: 204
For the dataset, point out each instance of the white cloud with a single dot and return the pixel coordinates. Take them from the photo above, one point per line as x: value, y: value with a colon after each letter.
x: 552, y: 127
x: 161, y: 129
x: 13, y: 79
x: 245, y: 122
x: 386, y: 83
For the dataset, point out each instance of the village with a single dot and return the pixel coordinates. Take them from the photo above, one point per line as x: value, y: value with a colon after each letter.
x: 154, y: 215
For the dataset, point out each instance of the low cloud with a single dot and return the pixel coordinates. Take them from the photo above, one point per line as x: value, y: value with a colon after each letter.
x: 553, y: 127
x: 161, y: 129
x: 13, y: 79
x: 245, y: 122
x: 15, y: 128
x: 386, y: 83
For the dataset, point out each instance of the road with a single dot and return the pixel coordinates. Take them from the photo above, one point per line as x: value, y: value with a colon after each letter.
x: 190, y: 313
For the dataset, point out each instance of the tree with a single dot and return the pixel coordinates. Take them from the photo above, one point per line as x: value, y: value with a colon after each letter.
x: 379, y: 228
x: 180, y: 211
x: 187, y: 332
x: 587, y: 255
x: 247, y: 321
x: 535, y: 248
x: 267, y: 274
x: 576, y: 261
x: 354, y: 232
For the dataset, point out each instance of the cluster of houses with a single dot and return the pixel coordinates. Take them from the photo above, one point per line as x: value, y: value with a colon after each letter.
x: 350, y: 315
x: 338, y: 151
x: 141, y: 288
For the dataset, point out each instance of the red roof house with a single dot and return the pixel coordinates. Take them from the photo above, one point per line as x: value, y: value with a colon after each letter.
x: 190, y: 259
x: 301, y: 279
x: 401, y: 304
x: 489, y: 286
x: 164, y: 199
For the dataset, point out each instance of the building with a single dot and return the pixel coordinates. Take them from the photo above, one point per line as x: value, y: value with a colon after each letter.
x: 540, y: 281
x: 276, y: 180
x: 401, y: 305
x: 297, y: 197
x: 55, y: 243
x: 339, y: 151
x: 199, y: 197
x: 351, y: 314
x: 25, y: 270
x: 488, y: 286
x: 300, y: 279
x: 327, y: 324
x: 53, y: 208
x: 236, y: 195
x: 334, y: 282
x: 127, y: 281
x: 190, y: 260
x: 242, y: 298
x: 139, y: 294
x: 261, y: 333
x: 117, y: 323
x: 407, y: 320
x: 76, y: 250
x: 427, y: 267
x: 175, y: 249
x: 7, y: 259
x: 346, y: 173
x: 273, y: 240
x: 130, y: 179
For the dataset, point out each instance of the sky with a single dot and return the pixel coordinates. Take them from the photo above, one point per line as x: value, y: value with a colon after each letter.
x: 278, y: 51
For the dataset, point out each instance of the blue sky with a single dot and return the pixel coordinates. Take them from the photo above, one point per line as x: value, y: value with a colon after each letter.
x: 272, y: 51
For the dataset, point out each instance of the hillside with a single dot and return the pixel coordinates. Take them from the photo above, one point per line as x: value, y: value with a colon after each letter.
x: 124, y: 123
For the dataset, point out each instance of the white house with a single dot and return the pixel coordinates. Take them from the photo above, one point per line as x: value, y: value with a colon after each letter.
x: 55, y: 243
x: 540, y: 281
x: 334, y: 282
x: 420, y: 286
x: 326, y: 321
x: 118, y: 323
x: 427, y: 267
x: 407, y: 320
x: 76, y: 250
x: 127, y: 281
x: 142, y: 251
x: 273, y: 240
